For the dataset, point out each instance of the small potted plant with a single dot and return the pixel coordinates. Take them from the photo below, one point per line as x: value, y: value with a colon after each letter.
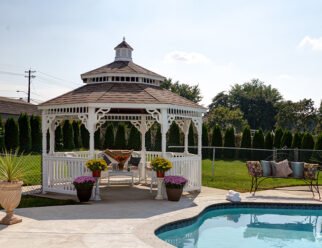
x: 12, y: 171
x: 160, y: 165
x: 121, y: 159
x: 84, y: 186
x: 96, y: 166
x: 174, y: 186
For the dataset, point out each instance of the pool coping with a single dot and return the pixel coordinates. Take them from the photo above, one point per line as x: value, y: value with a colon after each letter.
x: 148, y: 231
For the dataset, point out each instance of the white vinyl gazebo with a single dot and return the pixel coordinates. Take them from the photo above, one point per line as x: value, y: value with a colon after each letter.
x: 119, y: 91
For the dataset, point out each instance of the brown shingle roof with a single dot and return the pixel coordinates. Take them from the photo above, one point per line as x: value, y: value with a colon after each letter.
x: 121, y: 93
x: 122, y: 67
x: 15, y: 107
x: 123, y: 44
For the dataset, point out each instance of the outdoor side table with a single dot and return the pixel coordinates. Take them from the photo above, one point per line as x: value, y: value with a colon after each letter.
x: 121, y: 176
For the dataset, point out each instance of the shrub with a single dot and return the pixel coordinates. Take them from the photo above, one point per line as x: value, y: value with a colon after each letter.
x: 259, y: 143
x: 296, y: 141
x: 158, y: 139
x: 134, y: 141
x: 77, y: 135
x: 217, y: 140
x: 205, y: 140
x: 148, y: 143
x: 97, y: 138
x: 229, y: 141
x: 11, y: 134
x: 191, y: 139
x: 36, y: 134
x: 174, y: 136
x: 278, y: 137
x: 109, y: 137
x: 68, y: 136
x: 246, y: 142
x: 2, y: 145
x: 318, y: 146
x: 84, y: 136
x: 307, y: 143
x: 58, y: 138
x: 287, y: 139
x: 269, y: 142
x: 120, y: 141
x: 24, y: 133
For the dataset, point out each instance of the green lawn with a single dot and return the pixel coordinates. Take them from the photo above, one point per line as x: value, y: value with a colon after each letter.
x: 33, y: 169
x: 33, y: 201
x: 234, y: 175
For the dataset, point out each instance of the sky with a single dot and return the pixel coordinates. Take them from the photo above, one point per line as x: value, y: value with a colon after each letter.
x: 215, y: 44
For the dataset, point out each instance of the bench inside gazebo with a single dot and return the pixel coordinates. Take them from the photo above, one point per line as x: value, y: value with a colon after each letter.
x: 119, y: 92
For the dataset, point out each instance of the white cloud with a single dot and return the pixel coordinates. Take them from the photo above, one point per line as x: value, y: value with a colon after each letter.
x: 185, y: 57
x: 314, y: 44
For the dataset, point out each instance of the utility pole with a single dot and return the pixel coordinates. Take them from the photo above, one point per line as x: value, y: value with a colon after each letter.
x: 29, y: 76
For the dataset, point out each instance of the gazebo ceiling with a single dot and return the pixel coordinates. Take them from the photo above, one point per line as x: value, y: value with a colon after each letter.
x: 131, y: 93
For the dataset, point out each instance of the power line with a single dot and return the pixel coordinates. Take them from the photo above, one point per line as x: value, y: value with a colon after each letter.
x: 11, y: 73
x: 56, y: 78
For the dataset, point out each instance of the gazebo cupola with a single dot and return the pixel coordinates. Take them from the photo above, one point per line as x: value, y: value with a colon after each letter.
x: 123, y: 51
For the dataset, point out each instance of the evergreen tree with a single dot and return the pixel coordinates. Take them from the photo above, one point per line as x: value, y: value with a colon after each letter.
x: 317, y: 156
x: 259, y: 143
x: 174, y: 136
x: 120, y: 141
x: 97, y: 139
x: 296, y: 141
x: 307, y: 143
x: 148, y: 143
x: 36, y: 134
x: 229, y: 141
x: 2, y: 145
x: 217, y: 141
x: 84, y: 136
x: 58, y: 138
x: 134, y: 141
x: 269, y: 142
x: 77, y: 135
x: 205, y: 140
x: 68, y: 136
x: 109, y: 137
x: 246, y: 142
x: 278, y: 137
x: 158, y: 139
x: 191, y: 139
x: 287, y: 139
x: 11, y: 134
x: 24, y: 133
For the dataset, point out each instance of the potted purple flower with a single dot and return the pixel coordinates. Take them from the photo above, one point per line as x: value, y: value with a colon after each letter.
x: 174, y: 186
x: 84, y: 186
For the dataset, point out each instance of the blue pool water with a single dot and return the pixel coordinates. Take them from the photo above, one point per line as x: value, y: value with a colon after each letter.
x: 247, y: 228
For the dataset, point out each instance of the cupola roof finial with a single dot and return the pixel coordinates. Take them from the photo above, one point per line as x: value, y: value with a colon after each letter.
x: 123, y: 38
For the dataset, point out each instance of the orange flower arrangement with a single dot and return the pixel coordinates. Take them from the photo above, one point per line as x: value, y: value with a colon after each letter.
x: 121, y: 158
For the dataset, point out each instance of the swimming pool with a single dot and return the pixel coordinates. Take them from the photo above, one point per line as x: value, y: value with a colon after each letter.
x: 248, y: 225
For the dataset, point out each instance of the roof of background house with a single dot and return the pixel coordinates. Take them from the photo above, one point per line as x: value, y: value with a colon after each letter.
x: 121, y: 93
x: 16, y: 107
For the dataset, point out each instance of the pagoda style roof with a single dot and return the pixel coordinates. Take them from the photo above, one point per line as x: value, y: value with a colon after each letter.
x: 121, y: 67
x: 131, y: 93
x: 123, y: 44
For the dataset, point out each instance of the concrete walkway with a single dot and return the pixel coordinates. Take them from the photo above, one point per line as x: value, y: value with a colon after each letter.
x: 126, y: 217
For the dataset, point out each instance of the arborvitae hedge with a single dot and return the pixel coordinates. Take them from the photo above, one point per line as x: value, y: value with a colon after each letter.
x: 24, y: 133
x: 36, y: 134
x: 134, y: 141
x: 205, y: 140
x: 258, y: 142
x: 287, y: 139
x: 58, y: 138
x: 2, y: 145
x: 191, y: 139
x: 158, y: 139
x: 97, y: 138
x: 296, y: 141
x: 11, y: 134
x: 148, y: 143
x: 217, y: 141
x: 68, y: 135
x: 109, y: 137
x: 77, y: 135
x: 278, y: 137
x: 47, y: 139
x: 229, y: 141
x: 84, y: 136
x: 317, y: 156
x: 269, y: 142
x: 246, y: 142
x: 174, y: 137
x: 120, y: 141
x: 307, y: 143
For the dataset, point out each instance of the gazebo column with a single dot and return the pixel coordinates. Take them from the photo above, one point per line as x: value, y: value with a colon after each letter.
x: 198, y: 125
x: 91, y: 130
x: 164, y: 130
x: 186, y: 125
x: 143, y: 130
x: 52, y: 138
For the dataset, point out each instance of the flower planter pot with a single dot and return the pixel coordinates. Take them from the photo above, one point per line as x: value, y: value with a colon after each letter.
x: 10, y: 196
x: 84, y: 195
x: 174, y: 194
x: 96, y: 173
x: 160, y: 173
x: 121, y: 165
